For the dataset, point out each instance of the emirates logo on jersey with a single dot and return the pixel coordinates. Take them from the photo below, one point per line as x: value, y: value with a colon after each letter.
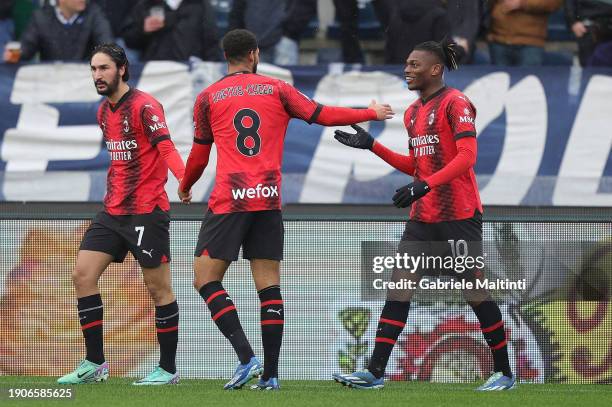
x: 424, y: 145
x: 120, y: 150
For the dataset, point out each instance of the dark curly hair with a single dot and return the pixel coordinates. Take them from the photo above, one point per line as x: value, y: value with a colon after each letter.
x: 117, y: 54
x: 237, y: 44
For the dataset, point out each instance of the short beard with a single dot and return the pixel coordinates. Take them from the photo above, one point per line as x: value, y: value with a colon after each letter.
x: 110, y: 87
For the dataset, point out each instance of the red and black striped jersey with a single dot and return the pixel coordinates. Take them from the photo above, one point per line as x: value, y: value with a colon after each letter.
x: 137, y: 173
x: 433, y: 125
x: 246, y: 116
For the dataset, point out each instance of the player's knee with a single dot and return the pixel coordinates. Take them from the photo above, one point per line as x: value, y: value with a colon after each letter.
x: 403, y: 295
x: 203, y: 276
x: 82, y: 277
x: 475, y: 297
x: 159, y: 292
x: 198, y: 282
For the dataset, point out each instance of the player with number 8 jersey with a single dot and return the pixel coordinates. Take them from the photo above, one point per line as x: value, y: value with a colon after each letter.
x: 246, y: 116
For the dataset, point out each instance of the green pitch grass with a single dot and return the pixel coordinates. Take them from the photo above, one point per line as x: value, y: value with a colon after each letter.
x: 205, y: 393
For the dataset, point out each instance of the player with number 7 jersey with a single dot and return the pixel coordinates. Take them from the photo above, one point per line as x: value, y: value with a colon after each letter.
x: 246, y: 116
x: 135, y: 218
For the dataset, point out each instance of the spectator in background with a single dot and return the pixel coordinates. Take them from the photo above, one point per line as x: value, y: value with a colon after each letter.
x: 277, y: 24
x: 411, y: 22
x: 465, y: 19
x: 591, y: 23
x: 299, y: 15
x: 518, y: 30
x: 347, y: 15
x: 65, y: 32
x: 7, y: 27
x: 22, y: 13
x: 264, y: 18
x: 172, y: 30
x: 116, y: 12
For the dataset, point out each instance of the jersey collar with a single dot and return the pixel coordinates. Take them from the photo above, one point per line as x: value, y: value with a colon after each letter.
x: 117, y: 105
x: 236, y: 73
x: 433, y: 95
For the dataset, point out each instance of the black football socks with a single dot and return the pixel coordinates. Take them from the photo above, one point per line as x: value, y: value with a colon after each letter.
x: 166, y: 323
x: 223, y: 312
x: 272, y: 321
x: 492, y: 327
x: 390, y: 326
x: 91, y: 315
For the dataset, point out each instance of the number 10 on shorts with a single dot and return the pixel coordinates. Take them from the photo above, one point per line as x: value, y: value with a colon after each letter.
x: 459, y: 248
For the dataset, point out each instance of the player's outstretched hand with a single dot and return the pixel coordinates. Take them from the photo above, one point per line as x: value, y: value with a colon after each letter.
x: 383, y: 112
x: 185, y: 197
x: 362, y: 139
x: 406, y: 195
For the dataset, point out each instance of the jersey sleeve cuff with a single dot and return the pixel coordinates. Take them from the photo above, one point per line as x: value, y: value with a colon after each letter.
x: 159, y: 139
x: 203, y: 142
x: 315, y: 114
x: 465, y: 134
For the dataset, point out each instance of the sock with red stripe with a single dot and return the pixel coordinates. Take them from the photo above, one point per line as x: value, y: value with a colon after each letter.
x: 166, y: 323
x: 223, y: 312
x: 492, y: 327
x: 91, y: 315
x: 272, y: 321
x: 390, y: 326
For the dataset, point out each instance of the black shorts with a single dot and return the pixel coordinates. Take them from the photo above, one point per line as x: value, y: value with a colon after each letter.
x: 260, y: 234
x: 443, y: 239
x: 146, y: 236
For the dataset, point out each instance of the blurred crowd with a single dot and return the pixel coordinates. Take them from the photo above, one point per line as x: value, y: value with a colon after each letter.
x: 500, y: 32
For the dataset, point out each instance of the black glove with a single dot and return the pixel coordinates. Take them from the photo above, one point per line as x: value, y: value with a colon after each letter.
x: 362, y: 139
x: 406, y: 195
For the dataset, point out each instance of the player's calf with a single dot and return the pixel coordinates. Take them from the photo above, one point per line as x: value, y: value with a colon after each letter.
x: 272, y: 322
x: 166, y: 325
x: 492, y: 327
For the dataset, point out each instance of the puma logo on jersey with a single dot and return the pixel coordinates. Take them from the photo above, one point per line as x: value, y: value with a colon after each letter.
x: 149, y: 253
x: 260, y: 191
